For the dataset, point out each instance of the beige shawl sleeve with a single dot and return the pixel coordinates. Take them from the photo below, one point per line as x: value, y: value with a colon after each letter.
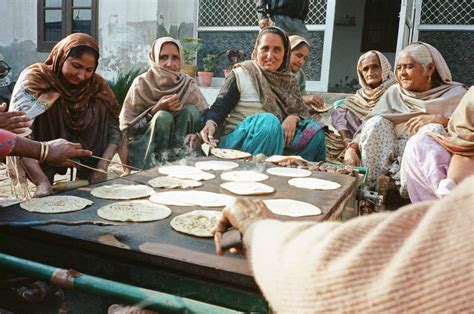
x: 418, y: 259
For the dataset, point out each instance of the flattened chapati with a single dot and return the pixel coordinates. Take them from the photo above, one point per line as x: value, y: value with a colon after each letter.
x: 289, y: 172
x: 56, y: 204
x: 173, y: 183
x: 217, y: 165
x: 134, y: 211
x: 122, y: 191
x: 186, y: 172
x: 314, y: 184
x: 198, y: 223
x: 244, y: 175
x: 226, y: 153
x: 247, y: 188
x: 192, y: 198
x: 292, y: 208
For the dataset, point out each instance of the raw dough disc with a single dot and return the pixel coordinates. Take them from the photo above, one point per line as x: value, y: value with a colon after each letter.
x: 244, y: 175
x: 292, y: 208
x: 247, y: 188
x: 314, y: 184
x: 289, y: 172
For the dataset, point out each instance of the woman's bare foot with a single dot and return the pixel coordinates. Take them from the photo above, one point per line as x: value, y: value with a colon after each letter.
x: 43, y: 189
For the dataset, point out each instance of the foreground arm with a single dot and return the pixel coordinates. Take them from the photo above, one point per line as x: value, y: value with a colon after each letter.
x: 418, y: 259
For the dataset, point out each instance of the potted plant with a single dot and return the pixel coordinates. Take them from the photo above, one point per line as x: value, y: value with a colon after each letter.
x: 190, y: 48
x: 205, y: 77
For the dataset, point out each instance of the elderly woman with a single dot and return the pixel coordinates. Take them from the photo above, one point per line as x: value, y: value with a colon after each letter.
x: 67, y: 99
x: 422, y: 101
x: 375, y: 77
x: 161, y: 107
x: 433, y: 164
x: 259, y: 108
x: 300, y: 48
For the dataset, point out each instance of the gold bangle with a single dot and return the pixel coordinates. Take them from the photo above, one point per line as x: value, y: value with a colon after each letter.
x: 41, y: 151
x: 44, y: 151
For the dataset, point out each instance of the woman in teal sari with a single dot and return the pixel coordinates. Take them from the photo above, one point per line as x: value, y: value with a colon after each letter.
x: 259, y: 108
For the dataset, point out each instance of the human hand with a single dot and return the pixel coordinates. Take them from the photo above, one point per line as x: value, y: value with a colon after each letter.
x: 13, y: 121
x: 289, y: 128
x: 264, y: 23
x: 207, y: 133
x: 60, y: 151
x: 97, y: 176
x: 314, y: 100
x: 168, y: 103
x: 241, y: 214
x: 192, y: 140
x: 351, y: 157
x: 414, y: 124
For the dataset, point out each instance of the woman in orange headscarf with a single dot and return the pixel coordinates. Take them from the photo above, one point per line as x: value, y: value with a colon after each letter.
x: 67, y: 99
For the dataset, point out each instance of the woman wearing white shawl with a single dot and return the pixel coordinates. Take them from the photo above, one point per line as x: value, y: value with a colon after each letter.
x: 422, y: 101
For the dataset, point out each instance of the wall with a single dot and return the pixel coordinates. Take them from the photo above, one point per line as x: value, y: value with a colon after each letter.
x: 126, y: 31
x: 18, y: 36
x: 456, y: 48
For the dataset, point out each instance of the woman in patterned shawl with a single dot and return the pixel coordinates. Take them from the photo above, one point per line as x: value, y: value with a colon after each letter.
x: 422, y: 101
x: 161, y: 107
x: 375, y: 77
x: 67, y: 99
x: 259, y: 108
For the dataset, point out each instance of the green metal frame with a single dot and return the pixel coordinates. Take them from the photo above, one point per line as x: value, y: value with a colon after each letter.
x: 138, y: 274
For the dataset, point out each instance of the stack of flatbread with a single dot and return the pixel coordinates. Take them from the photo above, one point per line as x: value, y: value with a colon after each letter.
x: 198, y: 223
x: 314, y: 184
x: 244, y: 175
x: 173, y: 183
x: 186, y: 172
x: 287, y: 160
x: 226, y: 153
x: 134, y: 211
x: 292, y: 208
x: 122, y: 191
x: 192, y: 198
x: 56, y: 204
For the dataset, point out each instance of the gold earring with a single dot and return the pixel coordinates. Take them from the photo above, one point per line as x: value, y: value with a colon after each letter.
x: 429, y: 79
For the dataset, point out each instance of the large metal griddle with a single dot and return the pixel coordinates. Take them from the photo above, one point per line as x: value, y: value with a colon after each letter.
x: 156, y: 244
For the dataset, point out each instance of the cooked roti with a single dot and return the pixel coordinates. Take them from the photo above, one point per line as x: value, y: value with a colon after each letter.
x: 226, y: 153
x: 247, y: 188
x: 314, y: 184
x: 192, y: 198
x: 173, y: 183
x: 217, y: 165
x: 289, y: 172
x: 122, y: 191
x: 292, y: 208
x: 134, y: 211
x: 280, y: 158
x: 56, y: 204
x: 197, y: 223
x: 244, y: 175
x: 186, y: 172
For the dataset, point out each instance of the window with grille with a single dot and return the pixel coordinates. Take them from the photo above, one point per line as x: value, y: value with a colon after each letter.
x: 453, y: 12
x: 228, y: 13
x: 59, y: 18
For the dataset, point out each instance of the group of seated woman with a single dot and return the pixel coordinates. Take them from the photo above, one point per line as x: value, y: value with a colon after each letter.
x: 262, y: 107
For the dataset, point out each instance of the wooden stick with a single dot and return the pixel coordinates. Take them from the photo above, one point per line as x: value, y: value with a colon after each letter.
x: 89, y: 167
x: 116, y: 162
